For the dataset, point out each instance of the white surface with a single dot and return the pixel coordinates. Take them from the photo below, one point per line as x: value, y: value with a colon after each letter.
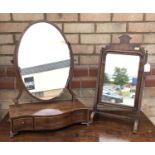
x: 118, y: 60
x: 59, y: 6
x: 42, y: 43
x: 44, y: 81
x: 147, y: 68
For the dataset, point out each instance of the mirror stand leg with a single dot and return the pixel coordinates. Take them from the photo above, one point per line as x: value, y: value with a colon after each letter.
x: 92, y: 117
x: 87, y: 119
x: 12, y: 134
x: 85, y: 123
x: 90, y: 121
x: 135, y: 126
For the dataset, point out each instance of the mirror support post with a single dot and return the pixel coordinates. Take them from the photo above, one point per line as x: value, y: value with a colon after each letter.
x: 71, y: 72
x: 97, y: 88
x: 18, y: 96
x: 19, y: 89
x: 138, y: 108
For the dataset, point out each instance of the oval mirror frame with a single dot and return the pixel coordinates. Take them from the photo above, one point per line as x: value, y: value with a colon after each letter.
x: 21, y: 84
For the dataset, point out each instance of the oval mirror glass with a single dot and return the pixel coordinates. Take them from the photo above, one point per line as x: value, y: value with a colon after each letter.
x: 44, y: 60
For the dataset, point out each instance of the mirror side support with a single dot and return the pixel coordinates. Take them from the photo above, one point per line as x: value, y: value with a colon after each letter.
x: 138, y: 108
x: 97, y: 89
x: 19, y: 93
x: 71, y: 72
x: 19, y: 90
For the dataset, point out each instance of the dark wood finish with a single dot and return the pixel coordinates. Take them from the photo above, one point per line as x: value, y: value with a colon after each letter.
x: 102, y: 130
x: 20, y: 124
x: 42, y: 123
x: 57, y: 122
x: 45, y: 114
x: 40, y: 109
x: 124, y: 48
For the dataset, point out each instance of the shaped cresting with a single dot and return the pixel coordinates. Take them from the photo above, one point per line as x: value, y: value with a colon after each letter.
x: 43, y: 60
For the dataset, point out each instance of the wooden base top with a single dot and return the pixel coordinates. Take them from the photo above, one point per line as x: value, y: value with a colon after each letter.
x: 44, y: 109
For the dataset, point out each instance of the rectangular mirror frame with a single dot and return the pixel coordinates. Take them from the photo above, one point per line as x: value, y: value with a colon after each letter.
x: 139, y: 77
x: 134, y: 112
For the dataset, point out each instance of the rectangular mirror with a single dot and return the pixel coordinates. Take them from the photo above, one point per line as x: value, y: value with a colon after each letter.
x: 120, y: 79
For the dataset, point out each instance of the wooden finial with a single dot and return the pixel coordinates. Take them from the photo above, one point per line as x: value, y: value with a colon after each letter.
x: 125, y: 39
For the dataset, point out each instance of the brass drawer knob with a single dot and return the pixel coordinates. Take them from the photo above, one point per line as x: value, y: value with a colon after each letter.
x: 22, y: 122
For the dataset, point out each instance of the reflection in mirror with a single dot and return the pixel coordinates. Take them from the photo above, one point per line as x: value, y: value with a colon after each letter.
x: 44, y: 60
x: 120, y: 79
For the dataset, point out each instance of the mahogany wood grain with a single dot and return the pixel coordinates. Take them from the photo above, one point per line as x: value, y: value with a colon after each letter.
x: 102, y: 130
x: 39, y: 109
x: 46, y: 116
x: 20, y: 124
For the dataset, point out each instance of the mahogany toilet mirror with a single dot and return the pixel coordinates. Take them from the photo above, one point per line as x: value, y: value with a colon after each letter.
x: 120, y: 81
x: 44, y: 66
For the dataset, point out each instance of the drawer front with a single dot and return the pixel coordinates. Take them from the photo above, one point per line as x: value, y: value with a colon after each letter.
x: 53, y: 122
x: 56, y: 122
x: 23, y: 124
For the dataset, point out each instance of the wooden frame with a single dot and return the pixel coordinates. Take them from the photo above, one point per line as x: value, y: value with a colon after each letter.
x: 125, y: 48
x: 21, y: 84
x: 50, y: 114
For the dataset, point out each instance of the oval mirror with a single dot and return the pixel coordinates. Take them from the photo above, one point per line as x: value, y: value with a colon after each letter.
x: 44, y: 60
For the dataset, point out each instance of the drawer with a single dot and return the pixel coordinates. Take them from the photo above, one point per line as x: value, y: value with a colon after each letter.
x: 52, y: 122
x: 23, y: 124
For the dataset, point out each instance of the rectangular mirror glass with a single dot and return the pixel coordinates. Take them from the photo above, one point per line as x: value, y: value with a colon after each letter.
x: 120, y: 79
